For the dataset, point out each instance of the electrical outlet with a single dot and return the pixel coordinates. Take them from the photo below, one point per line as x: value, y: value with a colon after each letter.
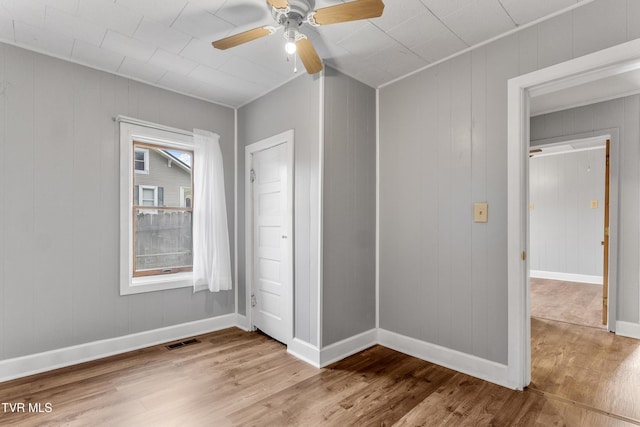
x: 594, y: 204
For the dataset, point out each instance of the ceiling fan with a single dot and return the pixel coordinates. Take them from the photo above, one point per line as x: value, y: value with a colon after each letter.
x: 292, y: 14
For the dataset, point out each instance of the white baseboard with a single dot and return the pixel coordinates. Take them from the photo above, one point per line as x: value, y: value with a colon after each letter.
x: 242, y: 322
x: 468, y: 364
x: 345, y: 348
x: 566, y: 277
x: 304, y: 351
x: 35, y: 363
x: 487, y: 370
x: 628, y: 329
x: 334, y: 352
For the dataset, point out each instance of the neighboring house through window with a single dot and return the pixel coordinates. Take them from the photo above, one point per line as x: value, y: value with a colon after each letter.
x: 163, y: 241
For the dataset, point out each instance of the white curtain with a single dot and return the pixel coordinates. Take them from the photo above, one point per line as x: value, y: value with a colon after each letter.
x: 211, y: 255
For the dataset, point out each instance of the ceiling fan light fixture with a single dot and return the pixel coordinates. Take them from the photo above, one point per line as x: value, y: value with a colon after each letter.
x: 290, y: 47
x: 291, y: 36
x: 291, y: 15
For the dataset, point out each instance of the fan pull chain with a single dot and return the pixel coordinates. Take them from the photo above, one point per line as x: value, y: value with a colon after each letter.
x: 295, y: 62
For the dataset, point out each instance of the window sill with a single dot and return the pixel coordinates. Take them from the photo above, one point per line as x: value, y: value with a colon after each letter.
x: 162, y: 282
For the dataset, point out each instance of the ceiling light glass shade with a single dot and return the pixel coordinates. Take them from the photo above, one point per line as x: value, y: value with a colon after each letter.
x: 290, y: 47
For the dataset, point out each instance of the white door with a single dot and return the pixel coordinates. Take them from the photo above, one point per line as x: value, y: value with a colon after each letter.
x: 271, y: 296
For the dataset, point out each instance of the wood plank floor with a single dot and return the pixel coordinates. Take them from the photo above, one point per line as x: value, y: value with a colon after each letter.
x: 589, y: 366
x: 572, y: 302
x: 236, y: 378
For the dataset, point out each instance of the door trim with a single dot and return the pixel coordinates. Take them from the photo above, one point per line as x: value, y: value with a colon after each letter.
x: 287, y: 138
x: 606, y: 241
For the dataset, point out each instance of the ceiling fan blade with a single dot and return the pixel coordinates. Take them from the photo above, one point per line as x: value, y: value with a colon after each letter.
x: 241, y: 38
x: 309, y: 56
x: 352, y: 11
x: 278, y: 4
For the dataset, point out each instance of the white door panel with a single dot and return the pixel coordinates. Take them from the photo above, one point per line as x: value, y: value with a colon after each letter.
x: 269, y: 203
x: 271, y: 287
x: 270, y: 269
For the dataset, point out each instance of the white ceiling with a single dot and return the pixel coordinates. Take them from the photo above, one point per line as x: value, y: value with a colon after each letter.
x: 565, y: 147
x: 168, y: 42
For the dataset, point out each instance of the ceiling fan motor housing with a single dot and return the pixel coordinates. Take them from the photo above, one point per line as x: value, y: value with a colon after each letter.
x: 297, y: 14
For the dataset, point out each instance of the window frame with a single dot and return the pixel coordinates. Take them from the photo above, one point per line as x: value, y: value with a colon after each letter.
x: 163, y: 137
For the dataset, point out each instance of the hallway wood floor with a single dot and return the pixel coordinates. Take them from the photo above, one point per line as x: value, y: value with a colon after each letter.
x: 582, y: 377
x: 571, y: 302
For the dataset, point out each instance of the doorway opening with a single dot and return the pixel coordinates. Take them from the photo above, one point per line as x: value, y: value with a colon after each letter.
x: 568, y: 222
x: 558, y: 81
x: 269, y: 237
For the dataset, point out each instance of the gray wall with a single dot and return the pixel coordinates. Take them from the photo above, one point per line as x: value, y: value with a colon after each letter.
x: 349, y: 208
x: 296, y: 105
x: 623, y: 116
x: 443, y: 146
x: 565, y: 231
x: 59, y: 216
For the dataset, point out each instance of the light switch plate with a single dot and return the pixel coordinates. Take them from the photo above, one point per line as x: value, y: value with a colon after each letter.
x: 594, y: 204
x: 480, y: 212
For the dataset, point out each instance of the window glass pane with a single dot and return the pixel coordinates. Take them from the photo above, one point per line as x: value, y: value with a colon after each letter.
x: 169, y: 171
x: 148, y: 197
x: 163, y: 239
x: 139, y: 160
x: 186, y: 195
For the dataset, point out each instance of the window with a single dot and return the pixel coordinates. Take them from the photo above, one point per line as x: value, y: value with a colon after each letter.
x: 185, y: 197
x: 147, y: 195
x: 163, y: 242
x: 156, y: 209
x: 141, y: 160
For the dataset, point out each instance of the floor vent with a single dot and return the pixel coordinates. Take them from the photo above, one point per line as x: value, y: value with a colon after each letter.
x: 182, y: 344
